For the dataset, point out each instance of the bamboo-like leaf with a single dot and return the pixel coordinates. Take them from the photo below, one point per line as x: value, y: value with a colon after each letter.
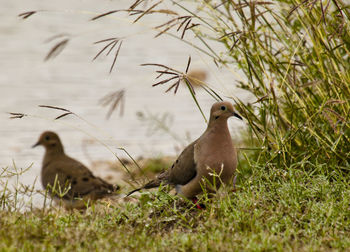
x: 177, y: 86
x: 164, y: 81
x: 161, y: 65
x: 186, y: 18
x: 110, y: 49
x: 115, y: 99
x: 188, y: 64
x: 147, y: 11
x: 135, y: 4
x: 261, y: 99
x: 115, y: 57
x: 16, y: 115
x: 166, y: 11
x: 164, y: 72
x: 104, y: 48
x: 164, y: 31
x: 27, y: 14
x: 63, y: 115
x: 104, y: 14
x: 54, y: 107
x: 167, y: 23
x: 171, y: 87
x: 184, y: 30
x: 104, y: 40
x: 56, y: 49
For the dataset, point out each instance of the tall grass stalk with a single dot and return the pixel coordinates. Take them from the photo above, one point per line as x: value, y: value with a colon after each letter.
x: 295, y: 56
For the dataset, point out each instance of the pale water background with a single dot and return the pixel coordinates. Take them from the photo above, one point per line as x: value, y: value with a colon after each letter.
x: 74, y: 82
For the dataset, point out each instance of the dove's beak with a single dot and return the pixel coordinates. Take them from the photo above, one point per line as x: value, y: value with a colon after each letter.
x: 237, y: 115
x: 35, y: 145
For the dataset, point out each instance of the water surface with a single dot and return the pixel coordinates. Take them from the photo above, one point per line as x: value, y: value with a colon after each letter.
x: 74, y: 82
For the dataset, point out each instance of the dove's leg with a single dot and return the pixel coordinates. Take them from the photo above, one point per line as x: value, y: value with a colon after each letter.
x: 199, y: 206
x: 191, y: 189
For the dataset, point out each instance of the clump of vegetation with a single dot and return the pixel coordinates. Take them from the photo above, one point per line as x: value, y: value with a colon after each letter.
x: 294, y: 56
x: 296, y: 60
x: 272, y: 210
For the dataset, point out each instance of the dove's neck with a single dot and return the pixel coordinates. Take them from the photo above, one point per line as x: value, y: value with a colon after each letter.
x: 53, y: 152
x: 218, y: 125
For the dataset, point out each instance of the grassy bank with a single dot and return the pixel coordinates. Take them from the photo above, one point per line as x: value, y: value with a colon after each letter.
x: 271, y: 210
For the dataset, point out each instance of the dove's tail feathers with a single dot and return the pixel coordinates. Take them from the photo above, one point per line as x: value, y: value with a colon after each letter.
x: 152, y: 184
x: 133, y: 191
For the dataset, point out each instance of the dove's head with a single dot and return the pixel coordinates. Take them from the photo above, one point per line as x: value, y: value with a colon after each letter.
x: 221, y: 110
x: 49, y: 140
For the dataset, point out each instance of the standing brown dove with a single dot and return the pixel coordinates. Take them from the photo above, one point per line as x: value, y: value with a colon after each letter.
x: 61, y: 173
x: 213, y: 152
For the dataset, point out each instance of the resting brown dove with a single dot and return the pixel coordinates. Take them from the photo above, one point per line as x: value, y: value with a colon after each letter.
x: 212, y: 153
x: 61, y: 171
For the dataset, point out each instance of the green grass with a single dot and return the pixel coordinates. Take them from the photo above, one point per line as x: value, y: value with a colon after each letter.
x: 272, y: 209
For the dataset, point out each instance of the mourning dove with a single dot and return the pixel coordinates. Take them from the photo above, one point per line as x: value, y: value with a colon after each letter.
x: 61, y: 171
x: 213, y: 152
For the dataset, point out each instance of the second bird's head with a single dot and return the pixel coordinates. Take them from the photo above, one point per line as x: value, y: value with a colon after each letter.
x: 49, y: 140
x: 223, y: 109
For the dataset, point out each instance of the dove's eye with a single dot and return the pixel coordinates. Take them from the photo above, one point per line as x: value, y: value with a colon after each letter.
x: 223, y: 108
x: 47, y: 138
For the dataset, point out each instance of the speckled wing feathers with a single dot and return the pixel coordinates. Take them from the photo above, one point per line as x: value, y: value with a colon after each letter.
x: 80, y: 178
x: 181, y: 172
x: 184, y: 168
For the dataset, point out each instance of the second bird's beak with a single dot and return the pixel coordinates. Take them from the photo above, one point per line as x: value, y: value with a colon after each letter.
x: 35, y: 145
x: 237, y: 115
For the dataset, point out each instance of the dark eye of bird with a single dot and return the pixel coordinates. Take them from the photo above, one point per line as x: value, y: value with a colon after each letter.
x: 47, y: 138
x: 223, y: 108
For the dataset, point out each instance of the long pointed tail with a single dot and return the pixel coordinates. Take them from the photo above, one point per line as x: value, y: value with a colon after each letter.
x: 152, y: 184
x: 133, y: 191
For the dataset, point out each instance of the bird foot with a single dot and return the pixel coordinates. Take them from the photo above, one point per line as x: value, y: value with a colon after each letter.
x: 198, y: 206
